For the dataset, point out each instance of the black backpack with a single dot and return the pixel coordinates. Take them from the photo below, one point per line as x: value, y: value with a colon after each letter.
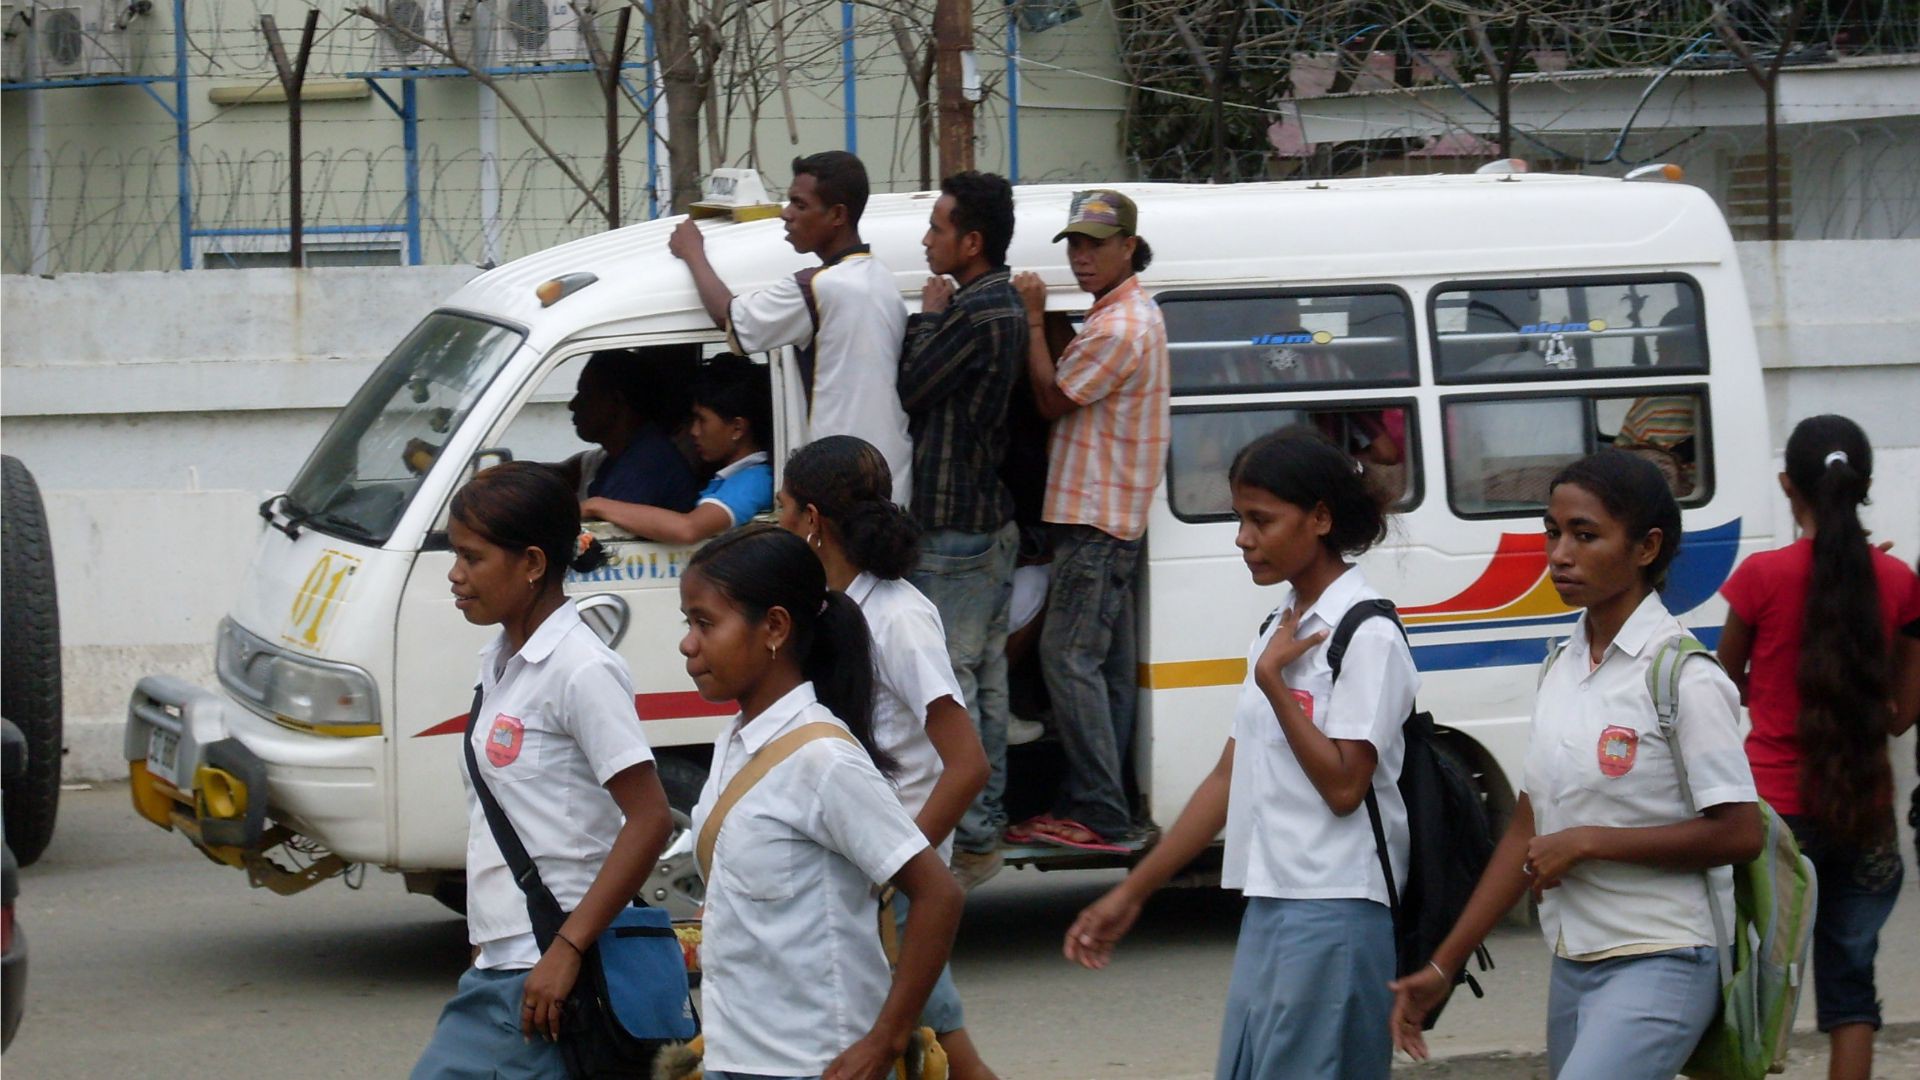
x: 1450, y: 838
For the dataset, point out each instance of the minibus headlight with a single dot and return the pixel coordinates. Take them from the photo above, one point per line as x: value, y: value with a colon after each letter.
x: 320, y: 696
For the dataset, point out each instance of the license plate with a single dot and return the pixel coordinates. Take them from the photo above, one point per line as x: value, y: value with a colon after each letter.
x: 163, y: 748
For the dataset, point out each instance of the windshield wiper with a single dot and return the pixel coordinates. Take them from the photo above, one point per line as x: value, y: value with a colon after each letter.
x: 295, y: 515
x: 341, y: 527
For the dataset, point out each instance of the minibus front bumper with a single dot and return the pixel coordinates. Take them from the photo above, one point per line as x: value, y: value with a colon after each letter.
x: 190, y: 770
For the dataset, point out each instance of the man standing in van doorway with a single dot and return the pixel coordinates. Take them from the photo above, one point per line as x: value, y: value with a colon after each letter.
x: 844, y: 316
x: 965, y: 352
x: 1108, y: 398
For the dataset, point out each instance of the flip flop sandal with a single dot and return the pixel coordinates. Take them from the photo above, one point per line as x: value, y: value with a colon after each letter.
x: 1072, y: 834
x: 1028, y: 831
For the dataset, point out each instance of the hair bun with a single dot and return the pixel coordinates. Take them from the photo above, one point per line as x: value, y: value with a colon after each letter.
x: 589, y: 554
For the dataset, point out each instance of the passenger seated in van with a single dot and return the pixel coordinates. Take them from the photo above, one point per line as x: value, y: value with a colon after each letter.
x: 845, y: 316
x: 1662, y: 426
x: 732, y: 422
x: 632, y: 402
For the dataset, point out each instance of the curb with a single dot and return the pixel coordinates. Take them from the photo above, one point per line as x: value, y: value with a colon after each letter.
x: 1528, y: 1064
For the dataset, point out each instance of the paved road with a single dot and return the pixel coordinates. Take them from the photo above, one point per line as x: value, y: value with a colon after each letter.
x: 148, y: 960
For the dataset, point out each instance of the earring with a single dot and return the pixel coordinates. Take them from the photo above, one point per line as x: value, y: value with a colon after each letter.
x: 814, y: 539
x: 533, y: 583
x: 773, y: 651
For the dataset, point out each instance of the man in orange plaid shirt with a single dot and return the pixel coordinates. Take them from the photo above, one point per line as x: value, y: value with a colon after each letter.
x: 1108, y: 398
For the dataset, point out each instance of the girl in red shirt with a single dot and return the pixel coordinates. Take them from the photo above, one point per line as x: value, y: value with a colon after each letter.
x: 1811, y: 639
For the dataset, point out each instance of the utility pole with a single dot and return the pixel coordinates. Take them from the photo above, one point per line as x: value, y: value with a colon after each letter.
x: 952, y: 42
x: 293, y: 79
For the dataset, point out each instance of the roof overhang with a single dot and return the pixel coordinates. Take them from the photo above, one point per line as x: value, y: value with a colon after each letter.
x: 1865, y: 88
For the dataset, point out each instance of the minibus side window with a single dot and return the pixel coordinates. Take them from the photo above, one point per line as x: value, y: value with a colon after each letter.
x: 1503, y: 452
x: 1234, y: 342
x: 1530, y: 330
x: 1206, y: 438
x: 660, y: 374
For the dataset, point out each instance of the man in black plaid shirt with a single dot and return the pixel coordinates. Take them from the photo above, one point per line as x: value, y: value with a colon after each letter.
x: 965, y: 351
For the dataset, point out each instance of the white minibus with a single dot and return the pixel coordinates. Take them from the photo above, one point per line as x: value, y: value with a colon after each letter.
x: 1463, y: 335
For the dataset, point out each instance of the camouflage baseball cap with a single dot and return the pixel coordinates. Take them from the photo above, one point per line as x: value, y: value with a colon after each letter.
x: 1100, y: 213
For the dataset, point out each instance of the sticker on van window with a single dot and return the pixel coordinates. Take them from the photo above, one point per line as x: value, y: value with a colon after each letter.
x: 1591, y: 326
x: 1295, y: 337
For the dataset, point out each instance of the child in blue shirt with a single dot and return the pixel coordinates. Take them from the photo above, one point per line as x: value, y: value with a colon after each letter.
x: 732, y: 421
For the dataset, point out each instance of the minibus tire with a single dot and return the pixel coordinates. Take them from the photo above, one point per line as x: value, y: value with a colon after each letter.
x: 30, y: 662
x: 683, y: 778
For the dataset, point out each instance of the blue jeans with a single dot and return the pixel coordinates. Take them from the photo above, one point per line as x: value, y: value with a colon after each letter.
x: 478, y: 1036
x: 943, y: 1011
x: 1087, y: 657
x: 969, y: 577
x: 1857, y: 891
x: 1630, y: 1018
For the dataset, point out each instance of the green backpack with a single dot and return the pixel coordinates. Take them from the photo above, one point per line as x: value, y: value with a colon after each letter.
x: 1774, y: 899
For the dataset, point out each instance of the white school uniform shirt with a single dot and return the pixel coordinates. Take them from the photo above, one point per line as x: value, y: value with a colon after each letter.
x: 556, y: 723
x: 1595, y: 756
x: 793, y: 969
x: 1283, y: 841
x: 862, y: 328
x: 912, y: 671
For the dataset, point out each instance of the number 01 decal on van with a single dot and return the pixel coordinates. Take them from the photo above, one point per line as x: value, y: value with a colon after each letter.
x: 320, y: 598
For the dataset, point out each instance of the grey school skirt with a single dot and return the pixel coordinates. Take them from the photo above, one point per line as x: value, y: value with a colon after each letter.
x: 1309, y: 994
x: 478, y: 1037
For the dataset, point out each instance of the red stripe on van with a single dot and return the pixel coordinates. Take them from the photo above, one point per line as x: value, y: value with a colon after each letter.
x: 1516, y: 567
x: 667, y: 706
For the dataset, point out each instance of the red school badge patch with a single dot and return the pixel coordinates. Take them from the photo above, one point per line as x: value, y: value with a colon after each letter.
x: 1618, y: 747
x: 1304, y: 699
x: 504, y: 739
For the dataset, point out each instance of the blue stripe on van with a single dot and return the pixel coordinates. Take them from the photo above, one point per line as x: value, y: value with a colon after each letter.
x: 1508, y: 652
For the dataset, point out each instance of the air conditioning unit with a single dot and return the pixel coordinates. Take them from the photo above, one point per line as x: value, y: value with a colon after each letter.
x: 18, y: 26
x: 540, y: 32
x: 90, y: 37
x: 60, y: 40
x: 427, y: 21
x: 119, y: 42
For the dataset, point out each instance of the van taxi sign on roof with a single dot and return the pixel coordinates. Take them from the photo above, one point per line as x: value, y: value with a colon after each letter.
x: 736, y: 193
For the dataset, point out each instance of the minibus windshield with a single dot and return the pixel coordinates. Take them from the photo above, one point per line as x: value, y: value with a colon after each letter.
x: 368, y: 465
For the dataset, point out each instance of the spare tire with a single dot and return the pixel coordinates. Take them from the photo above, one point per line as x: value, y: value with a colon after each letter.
x: 30, y: 661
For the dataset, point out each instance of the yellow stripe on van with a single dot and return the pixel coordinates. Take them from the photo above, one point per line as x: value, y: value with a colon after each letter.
x: 1183, y: 674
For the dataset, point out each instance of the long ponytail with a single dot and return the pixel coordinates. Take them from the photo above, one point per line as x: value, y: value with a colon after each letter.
x: 761, y: 566
x: 1845, y: 777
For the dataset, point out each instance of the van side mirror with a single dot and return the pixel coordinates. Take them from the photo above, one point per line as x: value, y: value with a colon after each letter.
x: 487, y: 458
x: 605, y: 614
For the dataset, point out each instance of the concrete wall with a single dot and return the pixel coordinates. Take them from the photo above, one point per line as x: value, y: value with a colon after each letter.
x: 158, y: 409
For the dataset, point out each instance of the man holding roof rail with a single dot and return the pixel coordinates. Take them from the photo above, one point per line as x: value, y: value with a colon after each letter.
x: 1109, y: 399
x: 845, y: 316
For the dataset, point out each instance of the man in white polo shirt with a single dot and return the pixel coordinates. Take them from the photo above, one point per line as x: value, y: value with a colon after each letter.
x: 845, y: 316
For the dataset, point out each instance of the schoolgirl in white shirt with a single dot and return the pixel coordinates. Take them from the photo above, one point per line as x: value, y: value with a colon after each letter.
x: 837, y: 495
x: 559, y: 745
x: 1308, y: 996
x: 795, y: 978
x: 1602, y: 834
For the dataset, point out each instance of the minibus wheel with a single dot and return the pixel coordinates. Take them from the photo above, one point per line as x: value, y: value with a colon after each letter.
x: 30, y: 661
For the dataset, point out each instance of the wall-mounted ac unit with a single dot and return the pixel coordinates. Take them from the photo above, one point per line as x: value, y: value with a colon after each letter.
x: 60, y: 40
x: 538, y: 32
x: 90, y: 37
x: 120, y: 38
x: 18, y: 25
x: 415, y: 20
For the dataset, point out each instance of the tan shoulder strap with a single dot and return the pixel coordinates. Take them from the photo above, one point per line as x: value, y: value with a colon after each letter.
x: 755, y: 770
